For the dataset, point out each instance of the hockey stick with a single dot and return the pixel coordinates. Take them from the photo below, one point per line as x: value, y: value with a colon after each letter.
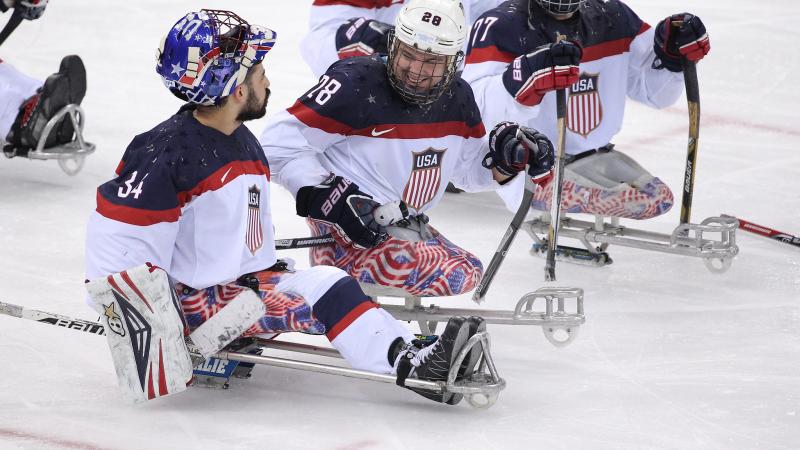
x: 13, y: 23
x: 387, y: 214
x: 693, y: 99
x: 767, y: 232
x: 312, y: 241
x: 505, y: 242
x: 51, y: 319
x: 558, y: 175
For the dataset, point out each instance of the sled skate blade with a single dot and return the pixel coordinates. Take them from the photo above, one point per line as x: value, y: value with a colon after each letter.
x: 554, y: 316
x: 573, y: 255
x: 713, y: 240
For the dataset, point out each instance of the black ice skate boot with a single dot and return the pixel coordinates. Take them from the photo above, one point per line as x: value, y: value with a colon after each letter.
x: 430, y: 358
x: 66, y: 86
x: 476, y: 325
x: 71, y: 66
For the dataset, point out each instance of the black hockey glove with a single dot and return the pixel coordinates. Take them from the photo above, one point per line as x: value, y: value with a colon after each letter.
x: 362, y: 37
x: 553, y: 66
x: 677, y: 36
x: 512, y: 147
x: 30, y: 9
x: 339, y: 203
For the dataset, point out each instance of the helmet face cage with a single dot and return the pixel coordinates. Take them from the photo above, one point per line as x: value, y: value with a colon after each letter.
x: 560, y: 6
x: 207, y: 54
x: 420, y: 77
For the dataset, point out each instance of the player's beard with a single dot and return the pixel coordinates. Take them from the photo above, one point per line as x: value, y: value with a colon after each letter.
x: 252, y: 109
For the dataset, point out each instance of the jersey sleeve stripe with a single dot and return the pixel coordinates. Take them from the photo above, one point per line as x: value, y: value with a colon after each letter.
x: 144, y: 216
x: 490, y: 53
x: 223, y: 176
x: 315, y: 120
x: 422, y: 130
x: 135, y: 216
x: 387, y: 130
x: 606, y: 49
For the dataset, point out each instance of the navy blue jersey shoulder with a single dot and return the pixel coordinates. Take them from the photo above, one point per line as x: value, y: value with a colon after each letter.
x: 361, y: 97
x: 517, y: 32
x: 175, y: 156
x: 504, y: 27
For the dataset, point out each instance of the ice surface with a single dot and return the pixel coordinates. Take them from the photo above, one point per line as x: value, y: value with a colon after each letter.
x: 671, y: 356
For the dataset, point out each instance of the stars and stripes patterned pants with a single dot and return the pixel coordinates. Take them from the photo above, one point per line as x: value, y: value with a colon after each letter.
x: 428, y: 268
x: 284, y: 311
x: 609, y: 184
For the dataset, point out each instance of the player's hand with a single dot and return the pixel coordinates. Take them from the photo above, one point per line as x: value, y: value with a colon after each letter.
x: 355, y: 218
x: 512, y: 147
x: 680, y: 36
x: 550, y: 67
x: 362, y: 37
x: 31, y: 9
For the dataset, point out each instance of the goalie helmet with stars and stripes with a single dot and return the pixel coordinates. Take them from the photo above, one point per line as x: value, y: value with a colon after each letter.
x: 207, y: 53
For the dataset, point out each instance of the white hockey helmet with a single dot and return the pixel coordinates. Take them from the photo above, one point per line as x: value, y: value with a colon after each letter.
x: 437, y: 28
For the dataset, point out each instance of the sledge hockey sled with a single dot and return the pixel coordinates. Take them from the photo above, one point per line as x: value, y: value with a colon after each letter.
x: 237, y: 360
x: 70, y: 156
x: 713, y: 240
x: 559, y: 326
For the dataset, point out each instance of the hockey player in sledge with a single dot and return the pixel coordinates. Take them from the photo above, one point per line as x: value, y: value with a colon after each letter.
x: 340, y: 29
x: 515, y: 65
x: 191, y: 196
x: 30, y: 104
x: 382, y: 130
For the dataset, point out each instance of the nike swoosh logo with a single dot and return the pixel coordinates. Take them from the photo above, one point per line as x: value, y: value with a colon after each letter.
x: 377, y: 133
x: 226, y: 175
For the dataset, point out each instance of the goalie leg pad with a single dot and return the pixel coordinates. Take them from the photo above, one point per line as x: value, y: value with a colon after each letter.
x: 228, y: 324
x: 145, y: 332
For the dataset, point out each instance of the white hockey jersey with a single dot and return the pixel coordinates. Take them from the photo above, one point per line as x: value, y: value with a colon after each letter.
x: 189, y: 199
x: 318, y: 47
x: 355, y: 125
x: 617, y: 63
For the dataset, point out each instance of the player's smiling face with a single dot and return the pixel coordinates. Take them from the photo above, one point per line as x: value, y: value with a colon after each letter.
x: 419, y: 71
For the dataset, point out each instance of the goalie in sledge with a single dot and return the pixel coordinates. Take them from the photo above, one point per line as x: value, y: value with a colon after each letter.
x: 43, y: 120
x: 191, y: 196
x: 515, y: 66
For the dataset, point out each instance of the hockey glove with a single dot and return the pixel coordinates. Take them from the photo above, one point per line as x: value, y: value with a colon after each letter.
x: 362, y: 37
x: 680, y: 35
x: 553, y: 66
x: 338, y: 203
x: 512, y: 147
x: 31, y: 9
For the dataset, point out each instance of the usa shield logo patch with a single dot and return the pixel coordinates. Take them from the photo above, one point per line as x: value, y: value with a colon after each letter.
x: 425, y: 178
x: 255, y: 235
x: 584, y: 109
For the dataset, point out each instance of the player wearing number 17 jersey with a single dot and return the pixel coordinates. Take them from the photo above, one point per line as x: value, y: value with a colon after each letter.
x: 376, y: 130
